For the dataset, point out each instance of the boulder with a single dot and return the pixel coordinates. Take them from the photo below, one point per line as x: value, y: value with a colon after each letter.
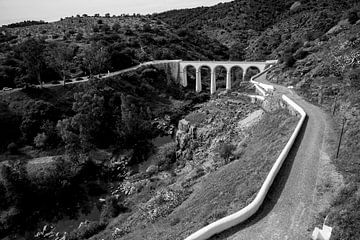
x: 296, y: 5
x: 152, y: 169
x: 183, y: 125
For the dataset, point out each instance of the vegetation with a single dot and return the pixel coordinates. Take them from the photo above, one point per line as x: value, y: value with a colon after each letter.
x: 316, y: 41
x: 114, y: 113
x: 331, y: 78
x: 36, y: 54
x: 212, y: 192
x: 24, y: 24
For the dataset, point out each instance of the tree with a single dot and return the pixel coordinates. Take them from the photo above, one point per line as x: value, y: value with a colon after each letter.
x: 120, y: 60
x: 95, y: 58
x: 116, y: 27
x: 80, y: 131
x: 353, y: 17
x: 60, y: 57
x: 133, y: 126
x: 36, y: 114
x: 32, y: 53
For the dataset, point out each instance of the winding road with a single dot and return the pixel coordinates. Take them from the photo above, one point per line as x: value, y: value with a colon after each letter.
x: 288, y: 209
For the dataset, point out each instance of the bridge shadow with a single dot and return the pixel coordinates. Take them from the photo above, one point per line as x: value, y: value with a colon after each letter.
x: 274, y: 193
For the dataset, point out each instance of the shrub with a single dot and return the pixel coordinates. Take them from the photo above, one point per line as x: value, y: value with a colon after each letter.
x: 226, y: 150
x: 147, y: 27
x: 301, y: 54
x: 86, y: 231
x: 95, y: 28
x: 353, y: 17
x: 354, y: 78
x: 40, y: 140
x: 288, y: 60
x: 12, y: 148
x: 79, y: 36
x: 112, y: 208
x: 167, y: 156
x: 116, y: 27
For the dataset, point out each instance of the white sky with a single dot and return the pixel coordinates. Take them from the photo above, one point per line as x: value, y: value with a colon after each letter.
x: 52, y: 10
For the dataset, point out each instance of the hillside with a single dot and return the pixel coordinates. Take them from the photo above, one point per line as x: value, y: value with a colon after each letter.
x: 328, y: 75
x: 316, y: 41
x: 254, y: 29
x: 229, y: 23
x: 78, y: 46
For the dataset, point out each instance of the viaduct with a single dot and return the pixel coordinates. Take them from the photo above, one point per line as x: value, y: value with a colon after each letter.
x: 182, y: 70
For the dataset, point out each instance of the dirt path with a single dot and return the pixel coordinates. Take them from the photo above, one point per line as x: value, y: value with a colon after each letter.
x: 288, y: 210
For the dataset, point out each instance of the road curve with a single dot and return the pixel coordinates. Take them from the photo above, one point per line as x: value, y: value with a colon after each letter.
x: 288, y: 207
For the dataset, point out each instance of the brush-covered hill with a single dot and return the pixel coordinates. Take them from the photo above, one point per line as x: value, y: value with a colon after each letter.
x: 326, y: 72
x: 228, y: 22
x: 95, y: 44
x: 260, y: 29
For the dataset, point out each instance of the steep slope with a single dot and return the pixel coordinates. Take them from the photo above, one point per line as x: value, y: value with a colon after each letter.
x: 329, y: 76
x: 260, y: 29
x: 228, y: 22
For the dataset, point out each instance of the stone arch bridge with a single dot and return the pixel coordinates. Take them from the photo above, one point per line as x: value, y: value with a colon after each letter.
x: 213, y: 65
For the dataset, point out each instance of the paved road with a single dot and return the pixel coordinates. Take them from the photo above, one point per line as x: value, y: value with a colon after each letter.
x: 288, y: 208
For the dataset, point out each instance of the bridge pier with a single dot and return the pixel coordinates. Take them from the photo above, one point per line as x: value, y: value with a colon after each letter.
x: 213, y: 81
x: 228, y: 79
x: 198, y: 80
x: 184, y: 82
x: 244, y: 73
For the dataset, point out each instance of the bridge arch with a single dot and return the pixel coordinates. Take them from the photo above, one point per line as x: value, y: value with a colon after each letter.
x: 205, y: 77
x: 220, y: 78
x: 236, y: 75
x: 251, y: 71
x: 189, y: 79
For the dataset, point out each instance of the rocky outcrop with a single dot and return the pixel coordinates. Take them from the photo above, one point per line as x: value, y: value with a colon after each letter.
x: 215, y: 123
x: 184, y: 134
x: 296, y: 5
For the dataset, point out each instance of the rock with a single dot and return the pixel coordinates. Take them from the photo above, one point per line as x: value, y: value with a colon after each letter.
x: 271, y: 104
x: 183, y: 125
x: 334, y: 30
x: 343, y: 24
x: 296, y: 5
x: 250, y: 120
x: 152, y: 169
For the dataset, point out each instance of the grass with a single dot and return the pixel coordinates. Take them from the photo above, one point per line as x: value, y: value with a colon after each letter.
x: 228, y: 189
x: 344, y: 212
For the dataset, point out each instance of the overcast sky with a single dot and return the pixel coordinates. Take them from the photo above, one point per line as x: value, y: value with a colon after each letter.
x: 52, y: 10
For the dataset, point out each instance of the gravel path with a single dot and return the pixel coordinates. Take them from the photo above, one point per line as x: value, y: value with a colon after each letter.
x: 288, y: 209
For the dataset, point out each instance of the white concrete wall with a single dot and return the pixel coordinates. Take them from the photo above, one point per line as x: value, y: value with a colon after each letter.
x: 242, y: 215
